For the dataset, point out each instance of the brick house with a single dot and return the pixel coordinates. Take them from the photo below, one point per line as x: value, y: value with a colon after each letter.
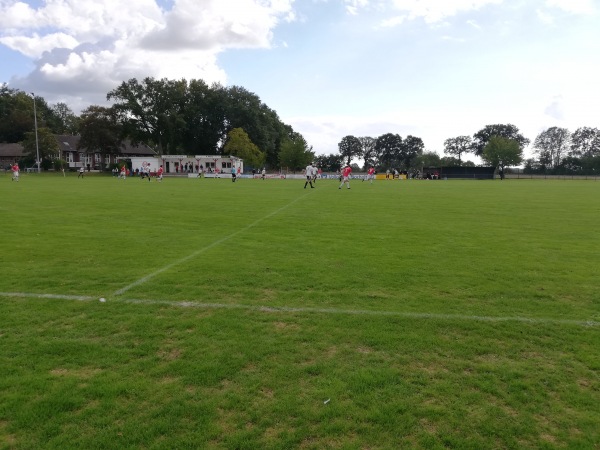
x: 93, y: 160
x: 9, y: 153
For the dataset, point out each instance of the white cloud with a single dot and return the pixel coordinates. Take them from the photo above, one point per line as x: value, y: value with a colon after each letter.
x: 90, y: 45
x: 34, y: 46
x: 574, y: 6
x: 435, y: 10
x: 555, y: 108
x: 393, y: 22
x: 545, y: 17
x: 216, y: 25
x: 474, y: 24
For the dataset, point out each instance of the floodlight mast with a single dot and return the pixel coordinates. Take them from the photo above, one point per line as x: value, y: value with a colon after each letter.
x: 37, y: 146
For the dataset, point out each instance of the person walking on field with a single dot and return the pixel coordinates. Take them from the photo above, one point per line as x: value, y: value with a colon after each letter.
x: 263, y: 174
x: 81, y: 172
x: 233, y: 174
x: 309, y: 176
x: 123, y: 173
x: 15, y: 172
x: 370, y: 174
x: 346, y: 171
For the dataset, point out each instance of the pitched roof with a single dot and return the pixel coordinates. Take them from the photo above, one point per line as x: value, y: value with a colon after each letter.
x: 11, y: 150
x: 69, y: 143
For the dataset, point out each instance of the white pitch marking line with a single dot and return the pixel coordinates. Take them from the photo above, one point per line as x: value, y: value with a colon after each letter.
x: 81, y: 298
x: 286, y: 309
x: 199, y: 251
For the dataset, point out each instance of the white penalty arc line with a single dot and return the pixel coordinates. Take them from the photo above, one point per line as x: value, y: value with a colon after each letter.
x: 203, y: 249
x: 332, y: 311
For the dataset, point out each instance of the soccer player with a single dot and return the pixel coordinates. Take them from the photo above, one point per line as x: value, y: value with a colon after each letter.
x: 346, y: 171
x: 370, y: 174
x: 123, y: 173
x: 81, y: 172
x: 15, y: 172
x: 263, y: 174
x: 159, y: 174
x: 309, y: 176
x: 233, y: 174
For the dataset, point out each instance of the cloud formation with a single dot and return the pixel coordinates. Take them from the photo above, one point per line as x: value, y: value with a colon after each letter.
x: 91, y: 46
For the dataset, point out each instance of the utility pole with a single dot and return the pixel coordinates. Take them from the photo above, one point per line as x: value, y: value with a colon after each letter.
x: 37, y: 146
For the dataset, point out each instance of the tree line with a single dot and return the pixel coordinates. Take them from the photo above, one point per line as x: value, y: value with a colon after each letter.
x: 191, y: 117
x: 498, y: 145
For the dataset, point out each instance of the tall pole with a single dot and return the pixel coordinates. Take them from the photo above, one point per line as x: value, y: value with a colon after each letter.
x: 37, y: 146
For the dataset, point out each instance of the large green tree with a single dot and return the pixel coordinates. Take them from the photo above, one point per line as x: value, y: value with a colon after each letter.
x: 16, y: 114
x: 389, y: 151
x: 100, y: 131
x: 181, y: 117
x: 412, y: 146
x: 350, y: 147
x: 152, y: 112
x: 369, y: 154
x: 295, y: 154
x: 62, y: 120
x: 585, y: 142
x: 205, y: 118
x: 552, y: 145
x: 239, y: 144
x: 427, y: 159
x: 501, y: 152
x: 457, y: 146
x: 245, y: 110
x: 46, y: 144
x: 329, y: 163
x: 508, y: 131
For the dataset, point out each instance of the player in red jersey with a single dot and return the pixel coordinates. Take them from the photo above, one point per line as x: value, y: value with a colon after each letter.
x: 15, y: 172
x: 346, y: 171
x: 370, y: 174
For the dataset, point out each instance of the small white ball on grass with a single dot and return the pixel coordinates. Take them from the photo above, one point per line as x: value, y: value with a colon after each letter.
x: 102, y: 299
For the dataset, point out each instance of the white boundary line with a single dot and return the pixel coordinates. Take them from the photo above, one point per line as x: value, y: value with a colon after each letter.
x: 203, y: 249
x: 339, y: 311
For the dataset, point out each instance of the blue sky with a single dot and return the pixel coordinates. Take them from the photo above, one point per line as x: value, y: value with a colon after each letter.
x: 435, y: 69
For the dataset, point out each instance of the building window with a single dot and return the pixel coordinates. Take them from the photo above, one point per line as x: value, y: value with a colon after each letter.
x: 97, y: 157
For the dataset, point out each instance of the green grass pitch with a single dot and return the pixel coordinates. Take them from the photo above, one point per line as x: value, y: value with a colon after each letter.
x: 261, y: 315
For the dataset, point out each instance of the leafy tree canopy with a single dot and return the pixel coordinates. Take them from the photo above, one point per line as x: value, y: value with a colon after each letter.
x: 329, y: 163
x: 46, y: 143
x: 585, y: 142
x: 508, y: 131
x: 552, y: 145
x: 239, y: 144
x: 389, y: 150
x: 100, y: 130
x: 350, y: 147
x: 457, y: 146
x: 502, y: 152
x: 295, y: 154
